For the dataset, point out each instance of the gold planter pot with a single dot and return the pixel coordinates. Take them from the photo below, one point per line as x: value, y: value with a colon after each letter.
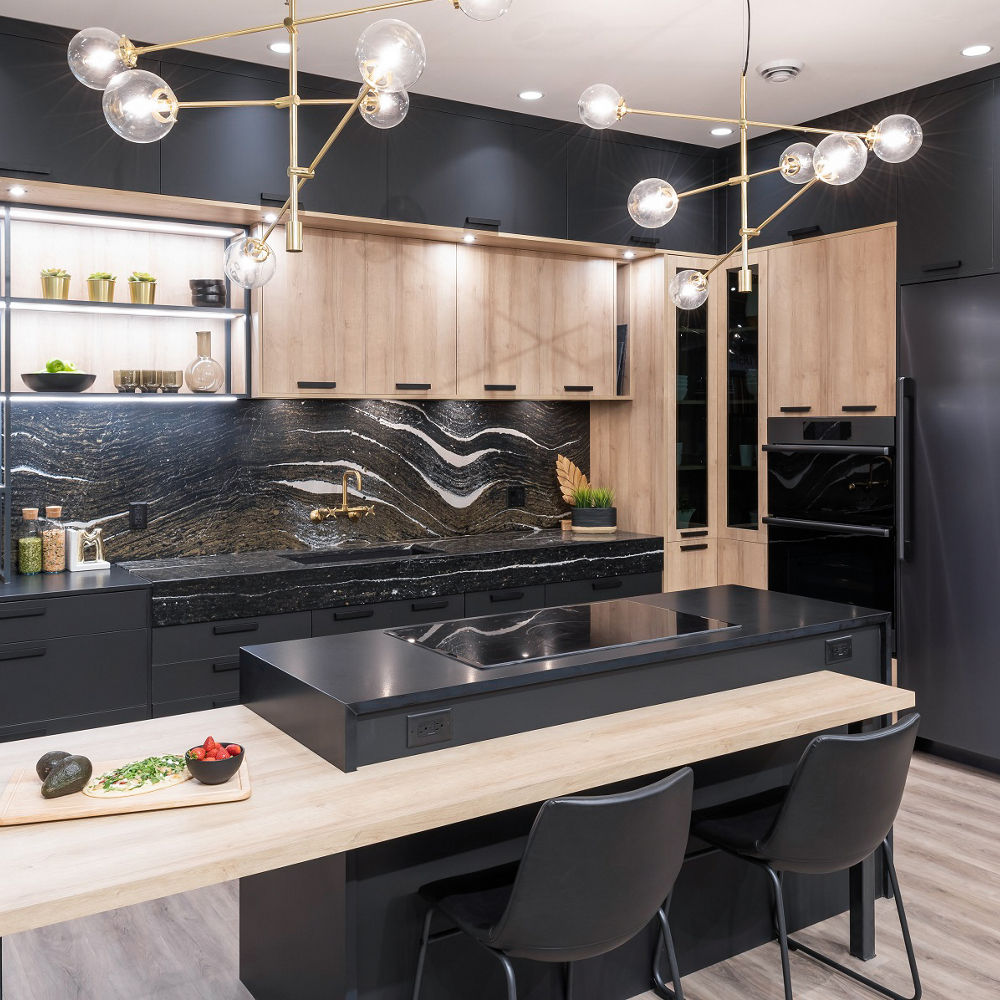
x: 55, y: 288
x: 101, y: 289
x: 142, y: 293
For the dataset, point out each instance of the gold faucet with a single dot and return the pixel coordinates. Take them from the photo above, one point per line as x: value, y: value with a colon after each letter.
x: 353, y: 513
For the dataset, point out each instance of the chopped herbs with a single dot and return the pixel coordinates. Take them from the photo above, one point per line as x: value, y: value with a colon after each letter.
x: 151, y: 770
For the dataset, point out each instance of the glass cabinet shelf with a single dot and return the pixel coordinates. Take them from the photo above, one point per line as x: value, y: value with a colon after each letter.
x: 122, y: 308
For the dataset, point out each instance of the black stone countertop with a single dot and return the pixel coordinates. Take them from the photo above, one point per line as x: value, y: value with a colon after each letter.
x: 63, y: 584
x: 374, y: 671
x: 241, y: 585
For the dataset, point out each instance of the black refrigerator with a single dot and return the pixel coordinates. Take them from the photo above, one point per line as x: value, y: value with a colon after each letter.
x: 948, y: 511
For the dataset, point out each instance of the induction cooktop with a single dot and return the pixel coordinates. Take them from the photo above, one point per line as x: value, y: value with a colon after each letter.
x: 545, y: 633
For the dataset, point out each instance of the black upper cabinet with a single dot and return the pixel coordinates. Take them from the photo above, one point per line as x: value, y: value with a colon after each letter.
x: 53, y: 127
x: 541, y: 163
x: 948, y: 200
x: 602, y: 172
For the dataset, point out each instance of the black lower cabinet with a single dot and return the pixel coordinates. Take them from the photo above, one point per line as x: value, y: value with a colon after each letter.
x: 388, y: 614
x: 181, y: 706
x: 72, y: 724
x: 498, y: 602
x: 604, y: 589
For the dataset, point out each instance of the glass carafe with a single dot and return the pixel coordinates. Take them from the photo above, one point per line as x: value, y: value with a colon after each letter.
x: 204, y: 374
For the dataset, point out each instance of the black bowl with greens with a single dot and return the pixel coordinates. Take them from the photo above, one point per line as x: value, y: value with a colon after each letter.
x: 58, y: 381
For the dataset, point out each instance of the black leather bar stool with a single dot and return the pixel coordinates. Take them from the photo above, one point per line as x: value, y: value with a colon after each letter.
x: 837, y: 811
x: 595, y: 871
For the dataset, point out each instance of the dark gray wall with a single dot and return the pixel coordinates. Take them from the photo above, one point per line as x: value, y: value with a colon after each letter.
x: 237, y: 475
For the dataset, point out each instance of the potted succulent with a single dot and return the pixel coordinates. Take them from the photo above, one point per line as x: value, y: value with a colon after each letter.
x: 142, y: 288
x: 101, y: 286
x: 594, y: 509
x: 685, y: 511
x: 55, y: 283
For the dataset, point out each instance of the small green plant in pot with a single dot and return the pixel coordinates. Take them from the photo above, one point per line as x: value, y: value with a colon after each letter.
x: 55, y: 283
x: 142, y: 288
x: 101, y: 286
x: 685, y: 510
x: 594, y: 509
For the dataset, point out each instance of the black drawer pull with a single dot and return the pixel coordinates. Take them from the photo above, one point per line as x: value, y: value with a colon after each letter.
x: 224, y: 702
x: 795, y: 409
x: 694, y: 548
x: 578, y: 388
x: 941, y: 265
x: 411, y: 386
x: 25, y: 168
x: 500, y: 388
x: 353, y: 615
x: 507, y: 595
x: 235, y: 627
x: 429, y: 605
x: 24, y: 654
x: 606, y: 584
x: 12, y: 611
x: 224, y: 666
x: 860, y: 408
x: 694, y: 534
x: 317, y: 385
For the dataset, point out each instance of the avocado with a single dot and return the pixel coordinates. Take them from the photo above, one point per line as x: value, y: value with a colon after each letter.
x: 68, y: 775
x: 48, y: 761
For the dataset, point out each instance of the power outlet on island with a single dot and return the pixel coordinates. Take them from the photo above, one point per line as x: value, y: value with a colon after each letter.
x: 839, y: 650
x: 426, y: 728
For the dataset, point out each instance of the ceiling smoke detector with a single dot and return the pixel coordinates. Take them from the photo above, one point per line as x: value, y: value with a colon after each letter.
x: 780, y: 70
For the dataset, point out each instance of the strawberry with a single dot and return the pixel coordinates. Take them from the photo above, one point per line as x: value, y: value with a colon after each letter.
x: 233, y: 749
x: 222, y: 755
x: 210, y: 744
x: 198, y: 753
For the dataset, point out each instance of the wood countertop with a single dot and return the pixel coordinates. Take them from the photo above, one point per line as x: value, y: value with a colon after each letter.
x: 303, y: 807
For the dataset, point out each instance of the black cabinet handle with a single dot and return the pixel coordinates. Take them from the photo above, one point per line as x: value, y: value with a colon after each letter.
x: 941, y: 265
x: 860, y: 408
x: 23, y: 654
x: 24, y: 168
x: 694, y: 548
x: 224, y: 666
x: 317, y: 385
x: 795, y: 409
x: 500, y: 388
x: 694, y: 534
x: 11, y: 611
x: 353, y: 615
x: 235, y: 627
x: 407, y: 386
x: 506, y: 595
x: 905, y: 400
x: 578, y: 388
x: 606, y: 584
x: 224, y: 702
x: 428, y: 605
x: 805, y: 232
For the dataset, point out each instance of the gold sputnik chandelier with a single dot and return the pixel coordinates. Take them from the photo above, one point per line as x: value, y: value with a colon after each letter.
x: 838, y: 159
x: 141, y: 107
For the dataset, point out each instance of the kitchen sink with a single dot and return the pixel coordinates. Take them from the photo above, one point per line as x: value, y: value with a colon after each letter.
x: 323, y: 557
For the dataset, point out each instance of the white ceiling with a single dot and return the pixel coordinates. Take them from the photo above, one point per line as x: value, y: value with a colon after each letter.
x: 668, y: 55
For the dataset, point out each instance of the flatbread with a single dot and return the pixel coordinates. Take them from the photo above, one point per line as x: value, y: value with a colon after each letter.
x: 95, y: 787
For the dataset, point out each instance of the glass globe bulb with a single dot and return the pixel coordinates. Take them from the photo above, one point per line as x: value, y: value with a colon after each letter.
x: 94, y: 56
x: 688, y: 289
x: 250, y: 262
x: 391, y: 55
x: 796, y: 163
x: 385, y: 110
x: 140, y: 106
x: 840, y: 158
x: 599, y: 106
x: 897, y: 138
x: 652, y: 203
x: 484, y: 10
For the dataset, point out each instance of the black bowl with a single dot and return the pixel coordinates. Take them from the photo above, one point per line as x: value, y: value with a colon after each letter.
x: 58, y: 381
x: 215, y: 772
x: 208, y: 284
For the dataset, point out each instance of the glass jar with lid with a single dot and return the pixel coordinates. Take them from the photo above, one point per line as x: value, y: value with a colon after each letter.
x: 53, y: 541
x: 29, y: 543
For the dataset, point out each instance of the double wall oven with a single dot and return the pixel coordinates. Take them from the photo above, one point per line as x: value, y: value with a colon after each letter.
x: 831, y: 503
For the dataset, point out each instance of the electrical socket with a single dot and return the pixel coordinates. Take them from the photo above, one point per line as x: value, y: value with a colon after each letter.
x: 425, y: 728
x: 138, y: 516
x: 838, y: 650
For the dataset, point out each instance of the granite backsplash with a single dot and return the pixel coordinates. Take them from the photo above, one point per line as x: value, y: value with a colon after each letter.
x: 240, y: 475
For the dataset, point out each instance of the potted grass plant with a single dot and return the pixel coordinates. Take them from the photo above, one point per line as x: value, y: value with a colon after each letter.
x: 142, y: 288
x: 594, y: 509
x: 101, y: 286
x: 55, y: 283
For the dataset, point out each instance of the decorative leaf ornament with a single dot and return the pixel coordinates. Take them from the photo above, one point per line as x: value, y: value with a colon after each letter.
x: 570, y: 478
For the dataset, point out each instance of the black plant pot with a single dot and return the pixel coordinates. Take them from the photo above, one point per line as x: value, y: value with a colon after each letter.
x: 595, y: 517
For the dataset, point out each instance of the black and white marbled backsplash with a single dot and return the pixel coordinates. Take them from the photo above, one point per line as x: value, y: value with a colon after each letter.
x: 234, y: 476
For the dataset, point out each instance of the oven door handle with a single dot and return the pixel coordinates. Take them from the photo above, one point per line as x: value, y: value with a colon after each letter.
x: 831, y: 526
x: 834, y: 449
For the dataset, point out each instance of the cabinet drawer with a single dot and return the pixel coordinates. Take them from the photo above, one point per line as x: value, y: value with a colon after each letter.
x: 388, y: 614
x: 604, y: 589
x: 218, y: 675
x: 497, y: 602
x: 691, y: 564
x: 176, y: 643
x: 83, y: 614
x: 73, y: 676
x: 71, y: 724
x: 180, y: 706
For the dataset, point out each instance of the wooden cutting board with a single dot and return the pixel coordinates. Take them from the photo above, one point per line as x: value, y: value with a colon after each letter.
x: 22, y: 800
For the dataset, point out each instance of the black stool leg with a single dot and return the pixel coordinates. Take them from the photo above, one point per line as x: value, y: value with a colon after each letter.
x: 665, y: 942
x: 779, y: 912
x: 508, y: 971
x: 424, y: 940
x: 907, y: 941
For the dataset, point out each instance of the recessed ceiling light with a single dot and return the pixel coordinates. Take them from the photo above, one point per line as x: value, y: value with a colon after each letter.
x: 629, y: 254
x: 270, y: 217
x: 280, y: 48
x: 531, y: 95
x: 976, y: 50
x: 17, y: 191
x: 468, y: 238
x: 722, y: 130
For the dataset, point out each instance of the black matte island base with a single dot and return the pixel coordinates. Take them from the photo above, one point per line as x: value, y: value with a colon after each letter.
x: 348, y: 926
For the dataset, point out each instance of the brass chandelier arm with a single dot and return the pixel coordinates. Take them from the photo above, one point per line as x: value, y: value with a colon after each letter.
x: 731, y: 182
x: 359, y: 10
x: 737, y: 121
x: 277, y: 102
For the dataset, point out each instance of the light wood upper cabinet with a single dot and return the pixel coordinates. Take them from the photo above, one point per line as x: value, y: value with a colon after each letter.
x: 577, y: 316
x: 411, y: 318
x: 498, y: 323
x: 311, y: 319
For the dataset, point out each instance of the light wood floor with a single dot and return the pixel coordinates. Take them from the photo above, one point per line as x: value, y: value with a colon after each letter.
x: 947, y: 855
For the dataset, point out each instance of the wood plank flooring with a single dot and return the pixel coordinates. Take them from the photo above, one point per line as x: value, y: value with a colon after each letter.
x: 947, y: 854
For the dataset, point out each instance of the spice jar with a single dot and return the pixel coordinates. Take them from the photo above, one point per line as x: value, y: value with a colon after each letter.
x: 53, y: 542
x: 29, y: 543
